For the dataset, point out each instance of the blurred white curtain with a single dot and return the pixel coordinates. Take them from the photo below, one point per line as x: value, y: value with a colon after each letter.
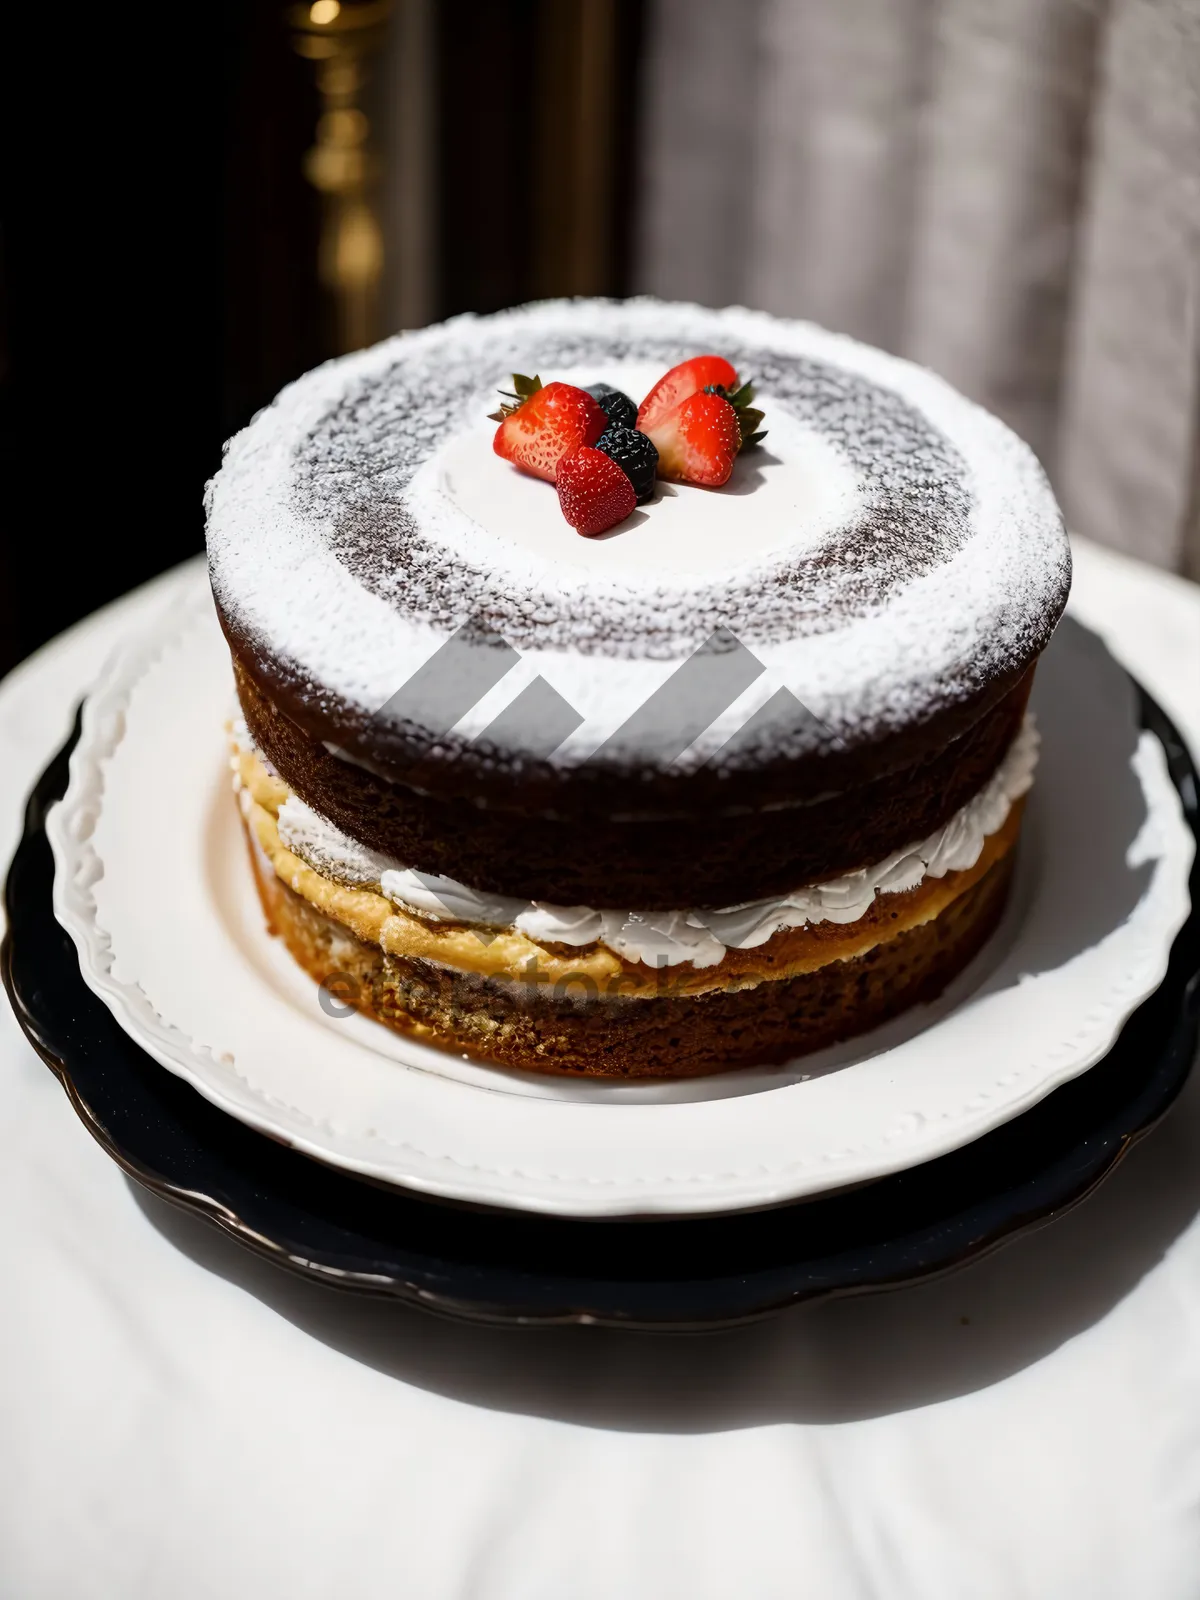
x: 1005, y: 190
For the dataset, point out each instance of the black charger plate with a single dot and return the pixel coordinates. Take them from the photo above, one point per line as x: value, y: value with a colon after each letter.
x: 502, y: 1266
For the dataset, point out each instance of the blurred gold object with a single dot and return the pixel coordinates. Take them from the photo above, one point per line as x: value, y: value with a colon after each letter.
x: 339, y: 37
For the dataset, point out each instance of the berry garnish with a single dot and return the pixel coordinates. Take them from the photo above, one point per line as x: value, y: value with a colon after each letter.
x: 698, y: 442
x: 543, y: 424
x: 636, y: 456
x: 674, y: 387
x: 616, y: 406
x: 593, y: 491
x: 748, y: 417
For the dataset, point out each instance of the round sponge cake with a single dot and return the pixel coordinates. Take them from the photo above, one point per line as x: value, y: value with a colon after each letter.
x: 768, y: 707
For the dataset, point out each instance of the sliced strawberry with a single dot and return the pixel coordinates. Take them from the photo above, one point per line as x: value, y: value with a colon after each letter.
x: 543, y: 424
x: 699, y: 441
x: 674, y: 387
x: 593, y: 491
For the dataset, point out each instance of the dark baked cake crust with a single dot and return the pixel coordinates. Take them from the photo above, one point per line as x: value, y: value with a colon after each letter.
x: 706, y: 858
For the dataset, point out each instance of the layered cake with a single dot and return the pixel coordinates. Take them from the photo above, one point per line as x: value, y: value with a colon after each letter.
x: 585, y: 730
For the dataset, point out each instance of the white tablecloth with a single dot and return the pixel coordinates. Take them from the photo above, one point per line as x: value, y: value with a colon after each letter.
x: 178, y: 1419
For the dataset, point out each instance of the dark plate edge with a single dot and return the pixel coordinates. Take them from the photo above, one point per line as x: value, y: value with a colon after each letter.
x: 1180, y: 1047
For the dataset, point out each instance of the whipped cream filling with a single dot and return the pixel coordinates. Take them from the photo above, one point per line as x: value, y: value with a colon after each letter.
x: 666, y: 938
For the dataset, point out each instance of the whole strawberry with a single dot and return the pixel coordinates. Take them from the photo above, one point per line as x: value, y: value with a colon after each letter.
x: 543, y: 424
x: 593, y: 491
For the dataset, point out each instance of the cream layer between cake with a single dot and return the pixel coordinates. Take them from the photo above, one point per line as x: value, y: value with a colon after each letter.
x: 699, y: 936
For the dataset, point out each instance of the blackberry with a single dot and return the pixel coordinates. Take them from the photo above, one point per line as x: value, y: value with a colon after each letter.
x: 635, y: 454
x: 617, y: 407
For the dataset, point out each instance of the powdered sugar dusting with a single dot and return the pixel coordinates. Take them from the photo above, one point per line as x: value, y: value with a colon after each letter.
x: 950, y: 567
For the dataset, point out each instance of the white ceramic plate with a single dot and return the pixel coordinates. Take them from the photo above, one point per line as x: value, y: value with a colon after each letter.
x: 153, y: 885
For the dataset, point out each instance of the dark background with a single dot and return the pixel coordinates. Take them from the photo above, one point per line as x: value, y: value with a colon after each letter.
x: 159, y: 276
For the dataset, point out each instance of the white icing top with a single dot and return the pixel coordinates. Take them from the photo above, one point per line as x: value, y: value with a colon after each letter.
x: 666, y: 938
x: 799, y: 487
x: 889, y: 549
